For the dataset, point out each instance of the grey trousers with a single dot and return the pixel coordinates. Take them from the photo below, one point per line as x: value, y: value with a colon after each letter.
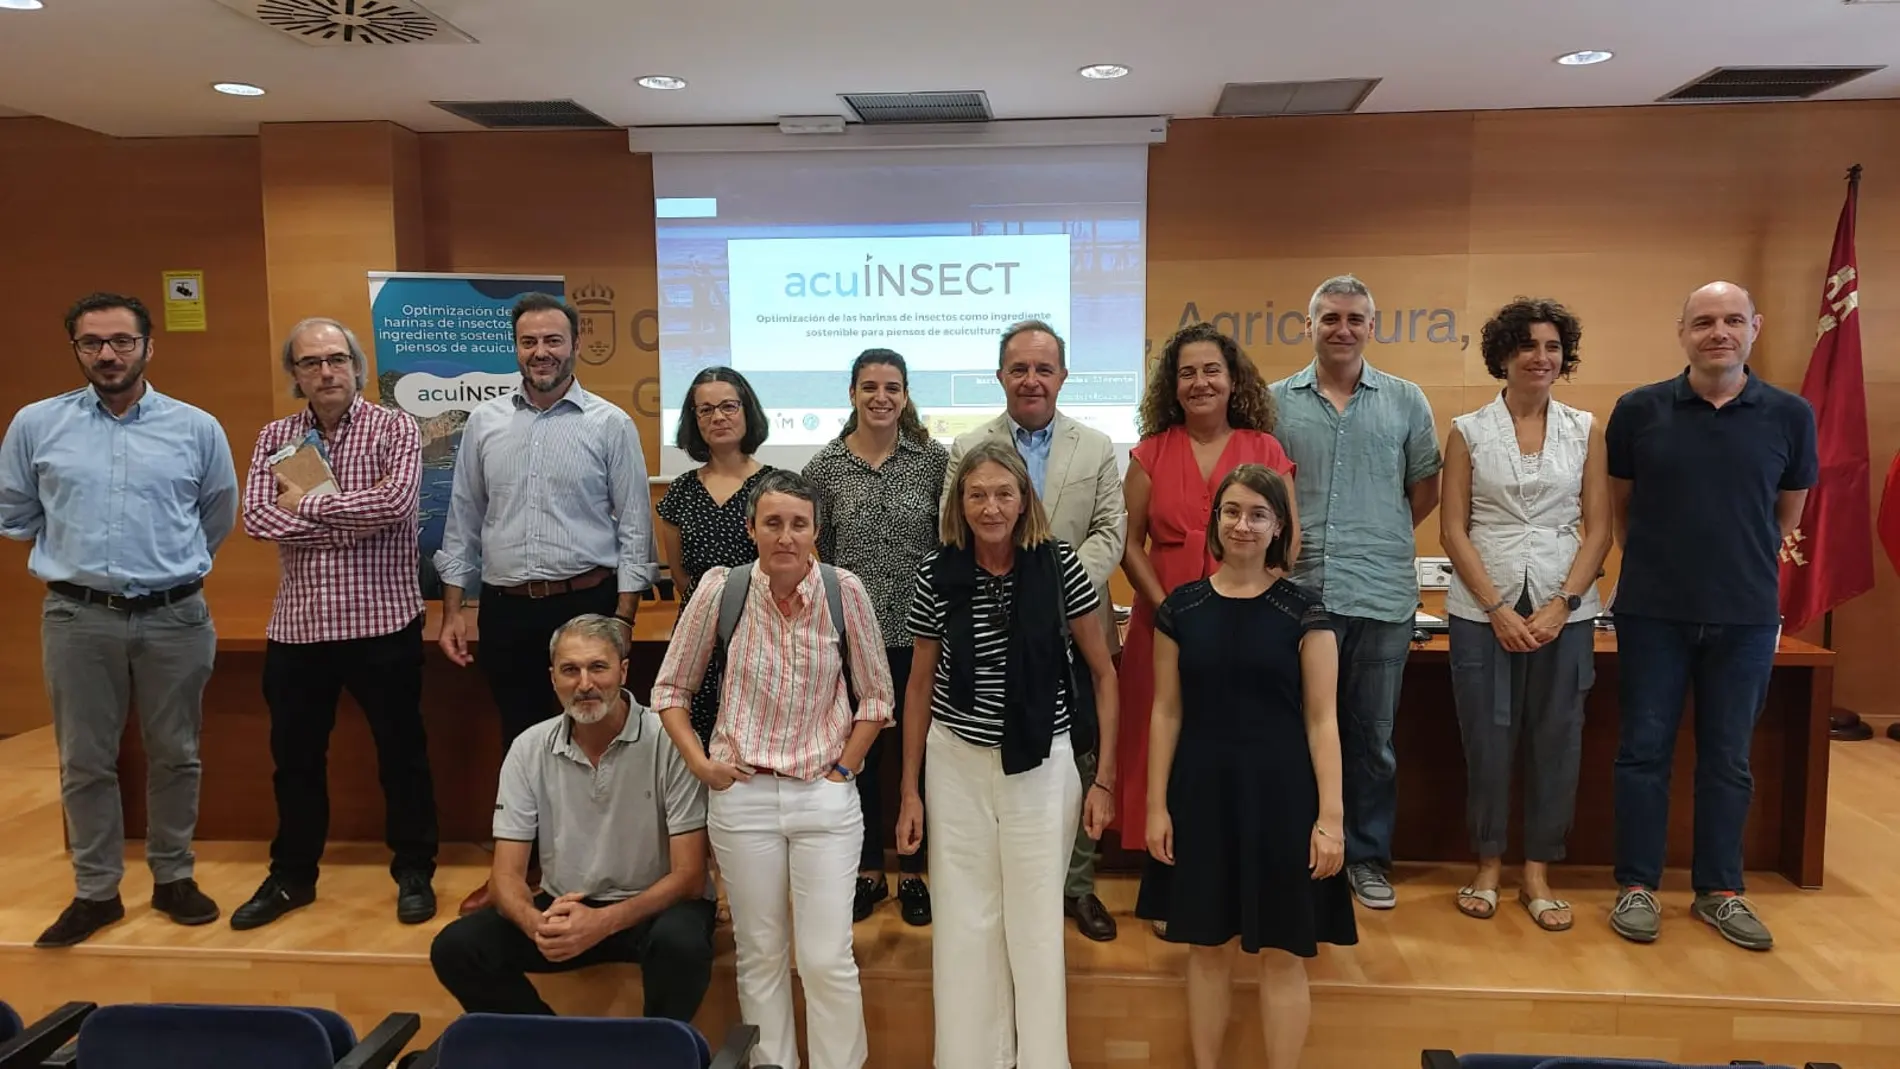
x: 97, y: 662
x: 1533, y: 699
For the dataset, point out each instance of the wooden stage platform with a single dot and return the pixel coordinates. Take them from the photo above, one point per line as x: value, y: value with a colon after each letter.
x: 1422, y: 975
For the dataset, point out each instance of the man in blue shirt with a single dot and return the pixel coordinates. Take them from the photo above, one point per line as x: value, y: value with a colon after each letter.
x: 1709, y: 472
x: 1368, y: 461
x: 125, y: 494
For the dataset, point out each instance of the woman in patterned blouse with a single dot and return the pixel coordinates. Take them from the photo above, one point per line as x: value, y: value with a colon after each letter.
x: 881, y: 478
x: 702, y: 516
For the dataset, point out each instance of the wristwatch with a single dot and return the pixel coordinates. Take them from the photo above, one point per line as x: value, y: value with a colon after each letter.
x: 1573, y: 602
x: 843, y: 771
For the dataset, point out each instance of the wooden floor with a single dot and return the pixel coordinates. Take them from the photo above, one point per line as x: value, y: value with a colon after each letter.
x: 1422, y: 975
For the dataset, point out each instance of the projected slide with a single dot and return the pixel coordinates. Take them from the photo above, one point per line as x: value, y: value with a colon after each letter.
x: 787, y: 265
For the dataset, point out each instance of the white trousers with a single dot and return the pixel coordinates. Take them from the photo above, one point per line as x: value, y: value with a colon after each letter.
x: 999, y: 852
x: 786, y: 843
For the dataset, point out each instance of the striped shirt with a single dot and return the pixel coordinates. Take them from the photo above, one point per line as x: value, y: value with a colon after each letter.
x: 930, y: 618
x: 783, y: 705
x: 347, y: 561
x: 548, y: 495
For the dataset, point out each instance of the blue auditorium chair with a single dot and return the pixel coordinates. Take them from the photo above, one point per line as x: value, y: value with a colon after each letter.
x: 504, y: 1041
x: 1444, y: 1059
x: 175, y: 1036
x: 27, y: 1046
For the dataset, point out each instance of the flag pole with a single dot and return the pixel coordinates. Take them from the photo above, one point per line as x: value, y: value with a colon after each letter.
x: 1843, y: 723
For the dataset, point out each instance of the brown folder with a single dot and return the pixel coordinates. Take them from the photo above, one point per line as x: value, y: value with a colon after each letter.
x: 305, y: 467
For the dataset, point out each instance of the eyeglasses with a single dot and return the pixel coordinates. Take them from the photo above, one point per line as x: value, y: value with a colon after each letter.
x: 123, y: 344
x: 723, y: 408
x: 335, y: 362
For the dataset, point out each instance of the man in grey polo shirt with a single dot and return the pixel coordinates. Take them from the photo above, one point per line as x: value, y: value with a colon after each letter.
x: 622, y: 829
x: 1368, y: 461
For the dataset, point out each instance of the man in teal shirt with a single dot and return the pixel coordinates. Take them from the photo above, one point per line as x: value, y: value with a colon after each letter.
x: 126, y: 495
x: 1368, y: 460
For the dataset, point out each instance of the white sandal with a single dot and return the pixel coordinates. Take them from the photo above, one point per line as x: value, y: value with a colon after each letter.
x: 1537, y: 907
x: 1489, y: 897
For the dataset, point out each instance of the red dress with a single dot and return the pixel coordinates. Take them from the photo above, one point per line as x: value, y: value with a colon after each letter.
x: 1179, y: 504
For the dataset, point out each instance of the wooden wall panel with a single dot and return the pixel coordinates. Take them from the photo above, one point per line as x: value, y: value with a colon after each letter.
x: 81, y: 212
x: 1617, y: 212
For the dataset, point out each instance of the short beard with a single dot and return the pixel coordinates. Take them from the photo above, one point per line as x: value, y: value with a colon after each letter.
x: 604, y: 709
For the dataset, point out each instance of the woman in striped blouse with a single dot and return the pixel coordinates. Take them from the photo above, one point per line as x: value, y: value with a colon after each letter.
x: 992, y: 687
x: 782, y: 812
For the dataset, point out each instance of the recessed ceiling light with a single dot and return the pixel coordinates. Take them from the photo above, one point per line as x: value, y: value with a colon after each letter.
x: 1584, y: 58
x: 21, y: 5
x: 1103, y: 71
x: 237, y: 89
x: 662, y: 81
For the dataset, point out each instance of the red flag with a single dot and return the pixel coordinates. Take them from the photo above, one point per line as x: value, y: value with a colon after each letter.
x: 1830, y: 557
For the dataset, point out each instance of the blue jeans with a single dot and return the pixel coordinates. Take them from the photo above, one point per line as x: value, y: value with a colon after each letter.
x: 1371, y: 668
x: 1728, y: 667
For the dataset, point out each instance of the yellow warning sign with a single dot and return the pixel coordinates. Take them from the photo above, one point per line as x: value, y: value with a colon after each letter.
x: 184, y: 301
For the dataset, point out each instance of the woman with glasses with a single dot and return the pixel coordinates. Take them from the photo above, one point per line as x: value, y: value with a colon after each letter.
x: 992, y: 683
x: 702, y: 517
x: 881, y: 478
x: 1205, y: 412
x: 1244, y: 801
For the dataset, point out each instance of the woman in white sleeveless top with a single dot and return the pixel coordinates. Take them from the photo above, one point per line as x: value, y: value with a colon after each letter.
x: 1527, y: 522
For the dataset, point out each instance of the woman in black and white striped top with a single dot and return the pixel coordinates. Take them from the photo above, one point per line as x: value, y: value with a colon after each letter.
x: 993, y: 680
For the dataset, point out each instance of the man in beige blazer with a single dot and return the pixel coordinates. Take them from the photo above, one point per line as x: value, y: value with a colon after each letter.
x: 1074, y: 472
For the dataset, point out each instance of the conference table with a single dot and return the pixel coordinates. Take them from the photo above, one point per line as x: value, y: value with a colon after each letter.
x: 1786, y: 828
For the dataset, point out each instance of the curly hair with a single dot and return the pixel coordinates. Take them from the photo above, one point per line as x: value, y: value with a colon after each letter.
x: 1509, y: 332
x: 1249, y: 405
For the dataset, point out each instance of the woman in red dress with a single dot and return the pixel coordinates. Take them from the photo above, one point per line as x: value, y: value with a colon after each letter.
x: 1205, y: 412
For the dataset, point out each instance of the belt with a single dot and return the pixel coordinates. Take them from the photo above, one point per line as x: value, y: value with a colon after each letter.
x: 547, y: 588
x: 122, y: 603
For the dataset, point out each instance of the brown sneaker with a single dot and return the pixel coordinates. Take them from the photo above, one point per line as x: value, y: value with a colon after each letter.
x: 80, y: 920
x: 183, y: 902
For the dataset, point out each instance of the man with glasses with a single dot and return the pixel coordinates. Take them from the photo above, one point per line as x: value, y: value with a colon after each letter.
x: 550, y: 513
x: 348, y: 615
x: 126, y: 494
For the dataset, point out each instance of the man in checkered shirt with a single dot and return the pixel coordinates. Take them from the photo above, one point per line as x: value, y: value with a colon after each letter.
x: 348, y: 615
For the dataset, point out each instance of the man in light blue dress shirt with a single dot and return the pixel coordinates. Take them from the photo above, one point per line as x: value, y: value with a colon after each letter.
x: 126, y: 495
x: 549, y: 518
x: 1368, y: 457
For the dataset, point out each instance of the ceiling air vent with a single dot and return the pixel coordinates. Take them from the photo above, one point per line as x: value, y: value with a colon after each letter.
x: 351, y: 22
x: 524, y: 114
x: 1730, y: 84
x: 957, y: 106
x: 1334, y: 96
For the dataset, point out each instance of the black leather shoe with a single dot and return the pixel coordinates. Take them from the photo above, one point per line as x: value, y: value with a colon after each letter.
x: 1092, y: 918
x: 183, y: 902
x: 415, y: 898
x: 913, y: 899
x: 273, y: 899
x: 870, y: 892
x: 80, y: 920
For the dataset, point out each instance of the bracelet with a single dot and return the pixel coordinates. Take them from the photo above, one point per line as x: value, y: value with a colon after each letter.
x: 1494, y: 607
x: 1097, y: 785
x: 1323, y: 833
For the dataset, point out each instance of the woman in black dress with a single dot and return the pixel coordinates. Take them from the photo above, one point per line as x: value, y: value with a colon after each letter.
x: 1244, y: 802
x: 702, y: 516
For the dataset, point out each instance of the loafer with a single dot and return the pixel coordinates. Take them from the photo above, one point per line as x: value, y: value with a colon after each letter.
x: 870, y: 891
x: 273, y: 899
x: 1637, y: 916
x: 1092, y: 918
x: 1731, y: 915
x: 1370, y: 887
x: 79, y: 921
x: 184, y: 903
x: 913, y: 901
x: 476, y: 901
x: 415, y: 898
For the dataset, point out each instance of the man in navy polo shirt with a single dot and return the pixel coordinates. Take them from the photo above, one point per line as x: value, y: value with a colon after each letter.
x: 1708, y: 473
